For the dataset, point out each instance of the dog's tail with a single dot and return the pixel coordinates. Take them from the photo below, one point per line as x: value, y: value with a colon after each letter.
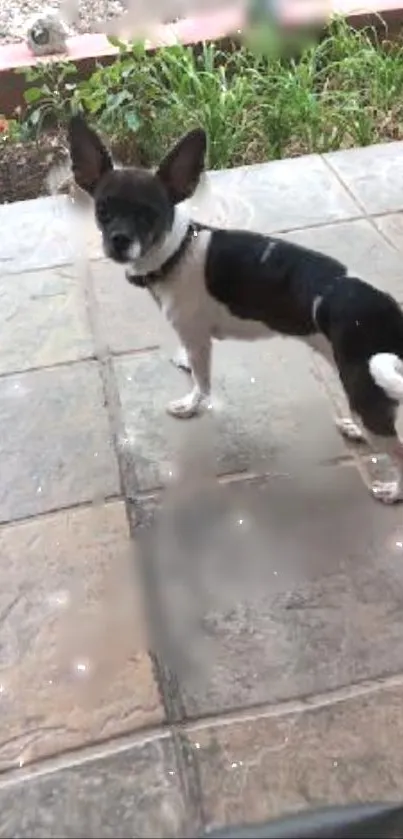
x: 387, y: 372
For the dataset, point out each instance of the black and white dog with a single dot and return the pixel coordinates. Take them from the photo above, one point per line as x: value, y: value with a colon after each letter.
x: 213, y: 283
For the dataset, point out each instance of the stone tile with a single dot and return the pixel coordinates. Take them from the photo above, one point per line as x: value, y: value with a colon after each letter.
x: 373, y: 174
x: 56, y: 448
x: 85, y: 230
x: 134, y: 792
x: 43, y: 319
x: 361, y: 248
x: 392, y: 228
x: 73, y: 662
x: 374, y: 465
x: 268, y: 411
x: 267, y: 590
x: 280, y: 195
x: 129, y: 319
x: 269, y: 766
x: 36, y: 234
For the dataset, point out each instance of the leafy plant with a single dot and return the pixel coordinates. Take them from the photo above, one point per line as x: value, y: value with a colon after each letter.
x: 255, y: 105
x: 50, y: 96
x: 119, y: 95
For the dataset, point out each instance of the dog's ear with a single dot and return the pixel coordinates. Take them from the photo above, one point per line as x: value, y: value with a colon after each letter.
x: 181, y: 169
x: 89, y: 157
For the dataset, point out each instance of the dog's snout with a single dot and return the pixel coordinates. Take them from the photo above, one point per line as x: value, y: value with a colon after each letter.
x: 120, y: 242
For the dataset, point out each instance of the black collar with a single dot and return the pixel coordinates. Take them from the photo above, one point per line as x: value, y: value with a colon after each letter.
x: 144, y: 280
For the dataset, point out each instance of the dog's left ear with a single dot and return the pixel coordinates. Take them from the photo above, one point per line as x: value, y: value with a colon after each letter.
x: 89, y: 157
x: 181, y: 169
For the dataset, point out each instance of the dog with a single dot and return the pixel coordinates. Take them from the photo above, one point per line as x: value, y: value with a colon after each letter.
x: 217, y: 283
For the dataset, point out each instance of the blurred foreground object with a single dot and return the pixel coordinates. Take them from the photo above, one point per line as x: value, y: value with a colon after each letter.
x: 361, y: 821
x: 278, y: 27
x: 47, y: 33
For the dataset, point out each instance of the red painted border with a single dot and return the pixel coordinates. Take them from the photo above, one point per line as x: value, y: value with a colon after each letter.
x: 209, y: 27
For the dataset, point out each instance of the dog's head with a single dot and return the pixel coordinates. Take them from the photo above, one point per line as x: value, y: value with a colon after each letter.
x: 134, y: 208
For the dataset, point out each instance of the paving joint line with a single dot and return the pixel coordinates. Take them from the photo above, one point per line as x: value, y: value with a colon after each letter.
x: 54, y: 511
x: 244, y: 477
x: 190, y: 781
x: 82, y: 754
x: 119, y: 744
x: 166, y: 681
x: 382, y: 232
x: 345, y: 186
x: 366, y: 215
x: 105, y: 363
x: 73, y: 362
x: 36, y: 268
x: 309, y: 702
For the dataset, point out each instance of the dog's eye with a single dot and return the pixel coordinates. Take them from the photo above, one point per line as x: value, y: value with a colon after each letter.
x: 103, y: 214
x: 147, y: 216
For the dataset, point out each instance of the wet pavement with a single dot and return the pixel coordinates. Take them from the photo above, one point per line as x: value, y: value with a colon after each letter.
x: 201, y: 623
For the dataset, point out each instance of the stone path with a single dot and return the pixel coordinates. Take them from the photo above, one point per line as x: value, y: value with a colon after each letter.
x: 235, y: 652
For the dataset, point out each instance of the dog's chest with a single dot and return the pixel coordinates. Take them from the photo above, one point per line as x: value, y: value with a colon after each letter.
x: 191, y: 308
x: 188, y: 306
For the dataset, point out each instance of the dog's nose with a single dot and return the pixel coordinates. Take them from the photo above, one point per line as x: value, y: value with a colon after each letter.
x: 120, y: 242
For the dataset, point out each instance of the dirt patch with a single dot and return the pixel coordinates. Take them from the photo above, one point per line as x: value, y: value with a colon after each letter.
x: 24, y: 168
x: 31, y: 169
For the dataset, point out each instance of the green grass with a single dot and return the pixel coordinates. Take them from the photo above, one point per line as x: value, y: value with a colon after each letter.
x: 346, y: 91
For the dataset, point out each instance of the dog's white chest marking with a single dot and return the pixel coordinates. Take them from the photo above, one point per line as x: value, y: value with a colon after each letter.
x: 192, y: 311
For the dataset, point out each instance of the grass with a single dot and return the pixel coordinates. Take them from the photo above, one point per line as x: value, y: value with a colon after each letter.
x: 345, y: 91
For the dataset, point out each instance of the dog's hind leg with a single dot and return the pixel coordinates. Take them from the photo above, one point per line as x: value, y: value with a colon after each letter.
x: 351, y: 428
x: 389, y: 492
x: 376, y: 413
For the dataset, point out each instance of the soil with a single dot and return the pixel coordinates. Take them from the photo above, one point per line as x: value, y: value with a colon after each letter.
x: 24, y: 168
x: 31, y: 169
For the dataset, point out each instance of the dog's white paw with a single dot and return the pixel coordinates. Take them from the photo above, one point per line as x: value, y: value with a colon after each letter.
x: 185, y: 408
x: 181, y: 361
x: 350, y: 429
x: 388, y: 492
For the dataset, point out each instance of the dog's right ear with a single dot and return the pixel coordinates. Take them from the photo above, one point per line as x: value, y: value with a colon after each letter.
x: 182, y: 167
x: 89, y: 157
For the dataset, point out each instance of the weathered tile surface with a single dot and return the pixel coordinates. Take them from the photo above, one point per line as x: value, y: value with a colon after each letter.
x: 129, y: 319
x: 134, y: 792
x: 358, y: 245
x: 373, y: 174
x: 56, y: 447
x: 392, y: 228
x: 337, y: 753
x: 36, y: 234
x: 73, y: 662
x: 280, y: 195
x: 43, y: 319
x: 257, y: 590
x: 268, y: 409
x: 269, y: 590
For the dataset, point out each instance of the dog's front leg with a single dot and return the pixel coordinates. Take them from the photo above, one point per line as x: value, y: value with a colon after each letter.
x: 180, y: 359
x: 199, y: 359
